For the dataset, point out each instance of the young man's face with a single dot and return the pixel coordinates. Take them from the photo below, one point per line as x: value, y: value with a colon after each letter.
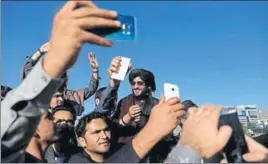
x: 138, y: 86
x: 97, y: 137
x: 56, y: 100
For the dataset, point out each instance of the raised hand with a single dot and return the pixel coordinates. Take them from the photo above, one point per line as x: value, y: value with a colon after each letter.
x: 93, y: 62
x: 71, y: 29
x: 200, y: 131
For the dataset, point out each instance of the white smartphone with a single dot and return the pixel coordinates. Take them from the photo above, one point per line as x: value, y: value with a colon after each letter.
x: 171, y: 90
x: 123, y: 69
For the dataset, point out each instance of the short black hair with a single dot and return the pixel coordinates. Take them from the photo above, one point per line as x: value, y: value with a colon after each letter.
x: 83, y: 121
x: 66, y: 106
x: 99, y: 93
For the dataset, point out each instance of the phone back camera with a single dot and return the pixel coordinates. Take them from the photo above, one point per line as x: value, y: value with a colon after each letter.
x: 126, y: 29
x: 173, y: 89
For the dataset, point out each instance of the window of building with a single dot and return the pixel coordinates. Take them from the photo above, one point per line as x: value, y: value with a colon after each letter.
x: 253, y: 114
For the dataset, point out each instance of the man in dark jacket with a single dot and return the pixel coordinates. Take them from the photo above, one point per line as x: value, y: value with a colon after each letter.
x: 61, y: 151
x: 134, y: 110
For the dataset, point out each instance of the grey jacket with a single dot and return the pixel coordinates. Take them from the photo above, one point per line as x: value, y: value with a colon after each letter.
x: 21, y: 110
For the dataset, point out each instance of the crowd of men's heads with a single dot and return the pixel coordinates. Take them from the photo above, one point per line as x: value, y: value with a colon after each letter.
x: 114, y: 122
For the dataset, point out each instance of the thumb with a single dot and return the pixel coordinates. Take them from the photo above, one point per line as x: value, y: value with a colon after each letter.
x: 223, y: 136
x: 162, y: 99
x: 255, y: 157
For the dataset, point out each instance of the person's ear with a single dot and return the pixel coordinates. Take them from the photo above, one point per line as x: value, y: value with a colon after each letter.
x: 82, y: 142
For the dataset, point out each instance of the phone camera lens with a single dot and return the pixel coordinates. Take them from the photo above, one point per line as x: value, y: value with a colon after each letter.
x: 125, y: 27
x: 173, y: 89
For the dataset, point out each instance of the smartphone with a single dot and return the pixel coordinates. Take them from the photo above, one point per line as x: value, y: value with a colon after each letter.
x: 237, y: 145
x: 126, y: 32
x: 171, y: 90
x: 123, y: 69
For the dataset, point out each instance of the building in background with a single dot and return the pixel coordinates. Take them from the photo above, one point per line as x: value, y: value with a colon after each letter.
x: 253, y: 119
x: 264, y: 117
x: 248, y: 114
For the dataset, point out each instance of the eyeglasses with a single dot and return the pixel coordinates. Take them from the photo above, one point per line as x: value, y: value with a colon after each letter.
x: 140, y: 83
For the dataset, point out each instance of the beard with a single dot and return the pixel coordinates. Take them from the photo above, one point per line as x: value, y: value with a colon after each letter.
x: 144, y: 93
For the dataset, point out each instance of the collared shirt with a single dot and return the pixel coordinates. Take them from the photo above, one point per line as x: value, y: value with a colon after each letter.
x: 21, y: 110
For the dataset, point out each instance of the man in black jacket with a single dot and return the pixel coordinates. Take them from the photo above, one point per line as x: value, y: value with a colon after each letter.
x: 134, y: 109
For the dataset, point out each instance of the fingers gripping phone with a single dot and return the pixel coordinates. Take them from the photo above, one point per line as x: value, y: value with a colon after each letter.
x: 237, y: 145
x: 171, y: 90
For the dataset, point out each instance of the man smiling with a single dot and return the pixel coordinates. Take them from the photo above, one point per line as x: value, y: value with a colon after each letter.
x: 134, y: 109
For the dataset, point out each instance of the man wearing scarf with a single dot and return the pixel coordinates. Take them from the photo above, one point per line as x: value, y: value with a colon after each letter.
x: 134, y: 110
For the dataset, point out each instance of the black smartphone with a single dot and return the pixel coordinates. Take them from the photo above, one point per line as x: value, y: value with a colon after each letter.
x: 237, y: 145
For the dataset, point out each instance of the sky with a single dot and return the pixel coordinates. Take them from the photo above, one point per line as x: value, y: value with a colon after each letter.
x: 216, y: 52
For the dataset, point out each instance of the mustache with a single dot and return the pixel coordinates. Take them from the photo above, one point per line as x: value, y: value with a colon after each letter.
x: 105, y: 142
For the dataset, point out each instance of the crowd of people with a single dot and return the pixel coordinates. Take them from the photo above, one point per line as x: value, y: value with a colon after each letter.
x: 39, y: 118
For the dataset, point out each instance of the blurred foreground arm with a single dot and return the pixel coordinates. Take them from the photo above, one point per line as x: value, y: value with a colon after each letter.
x: 201, y: 137
x: 22, y: 109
